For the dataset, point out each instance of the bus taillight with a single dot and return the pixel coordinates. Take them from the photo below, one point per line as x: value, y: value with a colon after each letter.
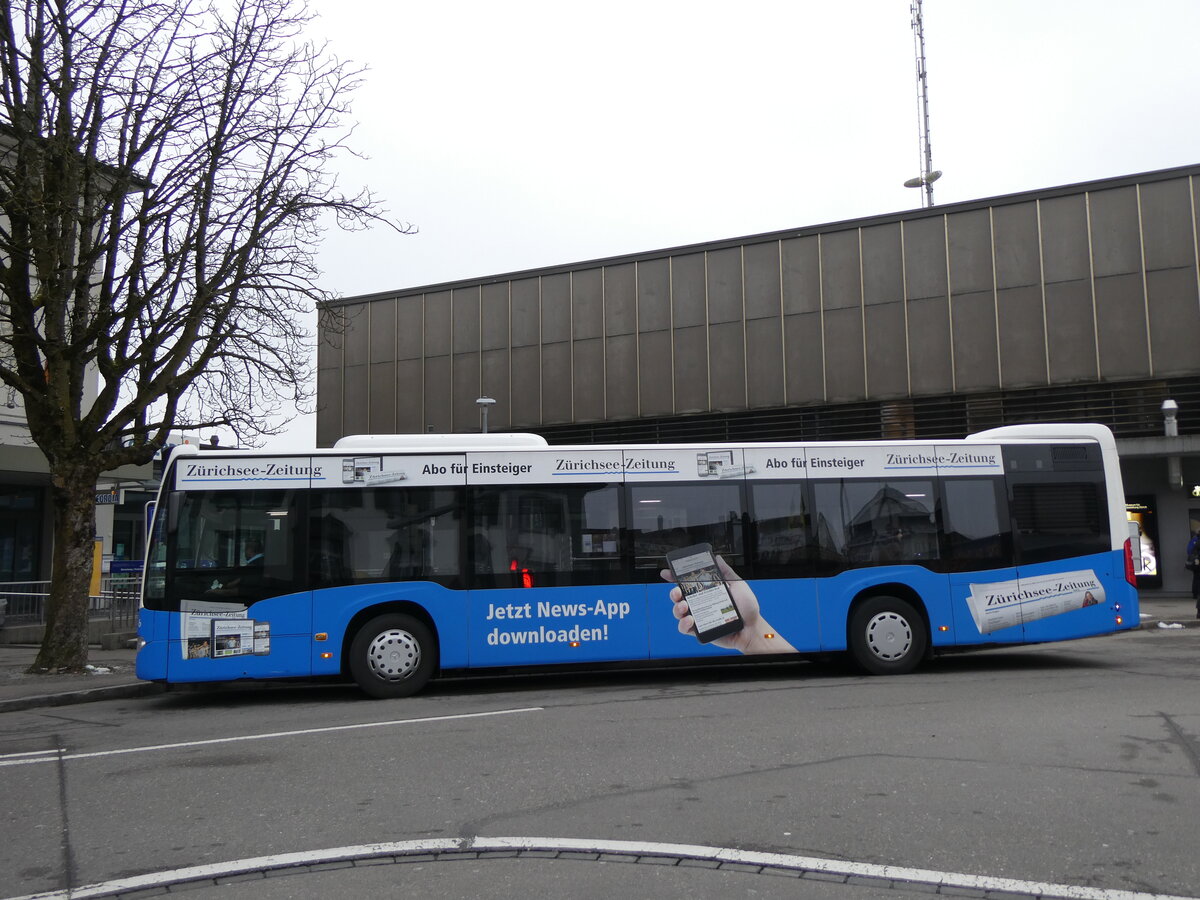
x: 1130, y: 572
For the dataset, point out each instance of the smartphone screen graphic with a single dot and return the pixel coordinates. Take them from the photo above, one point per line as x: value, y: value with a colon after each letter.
x: 708, y: 597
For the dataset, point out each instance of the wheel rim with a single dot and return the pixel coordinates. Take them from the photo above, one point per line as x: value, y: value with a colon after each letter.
x: 889, y: 636
x: 394, y: 655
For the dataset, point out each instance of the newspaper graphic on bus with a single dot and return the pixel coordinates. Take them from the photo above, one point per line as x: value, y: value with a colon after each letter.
x: 1003, y: 604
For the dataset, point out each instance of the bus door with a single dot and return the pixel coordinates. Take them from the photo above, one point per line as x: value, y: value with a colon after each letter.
x: 786, y: 559
x: 546, y: 574
x: 977, y: 552
x: 240, y: 604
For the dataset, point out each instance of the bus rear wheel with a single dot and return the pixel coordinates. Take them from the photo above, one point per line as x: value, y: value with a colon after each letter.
x: 887, y: 636
x: 392, y: 656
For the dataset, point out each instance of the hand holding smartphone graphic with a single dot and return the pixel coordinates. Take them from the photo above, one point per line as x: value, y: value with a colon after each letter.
x: 726, y: 611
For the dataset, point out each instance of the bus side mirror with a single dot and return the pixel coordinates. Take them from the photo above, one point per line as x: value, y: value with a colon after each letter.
x: 174, y: 504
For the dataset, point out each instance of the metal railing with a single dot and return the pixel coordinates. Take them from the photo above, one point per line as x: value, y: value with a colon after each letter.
x: 117, y: 601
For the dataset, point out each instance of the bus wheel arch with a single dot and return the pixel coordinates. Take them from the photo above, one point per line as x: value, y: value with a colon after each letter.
x: 887, y: 630
x: 391, y: 650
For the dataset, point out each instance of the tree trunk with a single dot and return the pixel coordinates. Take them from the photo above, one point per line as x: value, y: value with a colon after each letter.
x: 65, y: 645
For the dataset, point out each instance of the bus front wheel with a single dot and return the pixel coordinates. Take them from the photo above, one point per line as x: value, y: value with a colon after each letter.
x: 392, y: 656
x: 887, y: 636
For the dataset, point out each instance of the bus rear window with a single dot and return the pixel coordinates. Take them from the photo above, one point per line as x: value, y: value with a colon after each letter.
x: 1055, y: 520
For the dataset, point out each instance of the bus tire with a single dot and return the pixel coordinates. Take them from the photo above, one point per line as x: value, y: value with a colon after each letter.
x: 887, y: 636
x: 392, y: 656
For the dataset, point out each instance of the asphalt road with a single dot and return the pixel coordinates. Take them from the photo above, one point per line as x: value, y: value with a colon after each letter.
x: 1037, y: 771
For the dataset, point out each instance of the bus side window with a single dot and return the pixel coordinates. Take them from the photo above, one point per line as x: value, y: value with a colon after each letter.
x: 522, y: 536
x: 975, y: 532
x: 875, y: 523
x: 665, y: 517
x: 386, y: 533
x: 781, y: 523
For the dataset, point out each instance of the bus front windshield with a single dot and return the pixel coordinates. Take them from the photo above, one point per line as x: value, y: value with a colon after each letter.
x: 234, y: 546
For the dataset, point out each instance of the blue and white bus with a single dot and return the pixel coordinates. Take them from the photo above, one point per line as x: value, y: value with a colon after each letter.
x: 392, y: 559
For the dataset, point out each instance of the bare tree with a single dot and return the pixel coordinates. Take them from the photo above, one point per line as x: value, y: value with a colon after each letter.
x: 163, y: 187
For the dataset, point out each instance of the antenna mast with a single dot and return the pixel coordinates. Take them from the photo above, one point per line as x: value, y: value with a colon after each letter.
x: 928, y: 175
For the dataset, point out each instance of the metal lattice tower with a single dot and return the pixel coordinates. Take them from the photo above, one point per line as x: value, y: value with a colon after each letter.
x: 928, y: 175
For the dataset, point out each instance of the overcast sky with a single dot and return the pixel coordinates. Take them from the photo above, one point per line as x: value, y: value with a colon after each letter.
x: 516, y: 134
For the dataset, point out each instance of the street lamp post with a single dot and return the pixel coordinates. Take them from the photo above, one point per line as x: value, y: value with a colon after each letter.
x: 483, y: 403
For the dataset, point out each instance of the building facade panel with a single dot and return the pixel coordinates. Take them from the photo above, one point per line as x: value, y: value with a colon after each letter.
x: 763, y: 280
x: 845, y: 375
x: 464, y: 391
x: 656, y: 384
x: 526, y: 387
x: 438, y: 395
x: 556, y: 307
x: 330, y: 338
x: 804, y: 357
x: 976, y: 358
x: 654, y: 295
x: 410, y: 397
x: 1071, y: 328
x: 355, y: 414
x: 1064, y: 230
x: 382, y: 318
x: 1020, y: 316
x: 1017, y: 245
x: 764, y: 365
x: 883, y: 264
x: 356, y: 335
x: 588, y: 381
x: 841, y: 271
x: 556, y: 383
x: 329, y: 406
x: 494, y: 316
x: 801, y: 275
x: 495, y: 382
x: 526, y: 312
x: 587, y: 303
x: 620, y: 377
x: 620, y: 299
x: 930, y: 351
x: 410, y: 327
x: 381, y: 398
x: 887, y: 350
x: 1168, y: 228
x: 464, y: 306
x: 925, y: 258
x: 727, y: 366
x: 970, y: 241
x: 723, y: 285
x: 437, y: 324
x: 1121, y: 327
x: 1116, y: 232
x: 1174, y: 321
x: 690, y: 369
x: 688, y: 302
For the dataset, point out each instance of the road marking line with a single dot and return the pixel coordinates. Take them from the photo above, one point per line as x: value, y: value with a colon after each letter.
x: 683, y: 851
x: 54, y: 753
x: 262, y: 737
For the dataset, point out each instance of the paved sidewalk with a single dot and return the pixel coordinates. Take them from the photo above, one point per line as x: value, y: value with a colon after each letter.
x: 112, y: 676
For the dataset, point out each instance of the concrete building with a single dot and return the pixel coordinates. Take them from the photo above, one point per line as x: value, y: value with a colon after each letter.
x: 26, y: 507
x: 1073, y: 303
